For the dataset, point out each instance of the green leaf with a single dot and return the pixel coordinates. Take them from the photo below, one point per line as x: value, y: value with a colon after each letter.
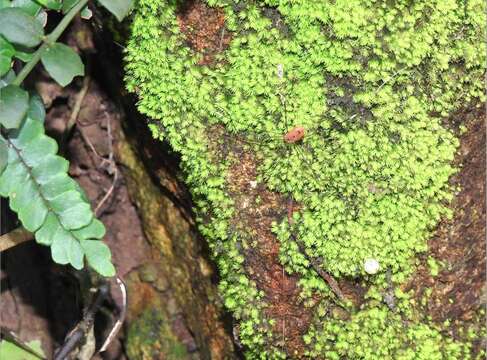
x: 34, y: 213
x: 95, y: 230
x: 119, y: 8
x: 73, y: 212
x: 47, y: 231
x: 28, y: 6
x: 48, y: 202
x: 20, y: 28
x: 68, y: 4
x: 6, y: 53
x: 66, y: 250
x: 21, y: 193
x: 86, y: 13
x: 7, y: 78
x: 98, y: 256
x: 57, y: 185
x: 5, y: 63
x: 51, y: 4
x: 42, y: 17
x: 35, y: 151
x: 3, y: 154
x: 48, y: 168
x: 36, y: 110
x: 62, y: 63
x: 13, y: 174
x: 25, y: 197
x: 14, y: 103
x: 24, y: 56
x: 11, y: 351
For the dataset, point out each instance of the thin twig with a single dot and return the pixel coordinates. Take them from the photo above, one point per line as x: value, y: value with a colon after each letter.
x: 90, y: 144
x: 389, y: 79
x: 327, y: 277
x: 107, y: 194
x: 76, y: 109
x: 12, y: 337
x: 112, y: 167
x: 221, y: 38
x: 15, y: 237
x: 324, y: 275
x: 118, y: 324
x: 389, y: 298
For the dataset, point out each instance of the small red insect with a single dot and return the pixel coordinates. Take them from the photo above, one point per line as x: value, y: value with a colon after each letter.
x: 294, y: 135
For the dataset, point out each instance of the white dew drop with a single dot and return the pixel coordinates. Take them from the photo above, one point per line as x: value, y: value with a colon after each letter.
x: 371, y: 266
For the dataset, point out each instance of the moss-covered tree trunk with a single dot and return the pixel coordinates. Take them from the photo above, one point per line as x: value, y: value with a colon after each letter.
x: 174, y: 311
x: 314, y: 140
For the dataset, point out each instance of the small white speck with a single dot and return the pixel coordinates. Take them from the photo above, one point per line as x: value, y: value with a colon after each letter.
x: 280, y: 71
x: 245, y: 203
x: 253, y: 184
x: 371, y: 266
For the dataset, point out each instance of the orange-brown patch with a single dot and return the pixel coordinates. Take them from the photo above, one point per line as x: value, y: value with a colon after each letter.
x: 294, y: 135
x: 256, y: 209
x: 143, y: 295
x: 262, y: 264
x: 204, y: 29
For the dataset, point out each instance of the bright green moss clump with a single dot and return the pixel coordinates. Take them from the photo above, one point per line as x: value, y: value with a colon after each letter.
x: 377, y: 333
x: 369, y: 81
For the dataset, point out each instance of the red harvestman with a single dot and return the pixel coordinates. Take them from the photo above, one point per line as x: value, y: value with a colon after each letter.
x: 284, y: 147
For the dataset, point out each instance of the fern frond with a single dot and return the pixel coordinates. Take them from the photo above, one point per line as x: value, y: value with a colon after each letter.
x: 49, y: 203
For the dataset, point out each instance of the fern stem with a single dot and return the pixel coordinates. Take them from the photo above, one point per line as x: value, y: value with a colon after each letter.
x: 14, y: 237
x: 48, y: 41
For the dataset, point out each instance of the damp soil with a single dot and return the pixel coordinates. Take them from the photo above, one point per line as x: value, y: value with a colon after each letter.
x: 204, y: 30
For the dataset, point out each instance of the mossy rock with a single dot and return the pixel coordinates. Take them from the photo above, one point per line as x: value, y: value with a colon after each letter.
x: 150, y: 337
x: 228, y: 83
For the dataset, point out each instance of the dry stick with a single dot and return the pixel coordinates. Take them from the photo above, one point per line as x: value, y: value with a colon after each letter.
x: 73, y: 121
x: 107, y: 194
x: 118, y: 325
x: 111, y: 164
x: 15, y: 237
x: 327, y: 277
x: 77, y: 107
x: 389, y: 298
x: 90, y: 144
x: 82, y: 328
x: 221, y: 38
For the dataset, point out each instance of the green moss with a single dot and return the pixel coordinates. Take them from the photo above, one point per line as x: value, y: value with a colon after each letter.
x: 150, y: 337
x: 369, y: 81
x: 377, y: 333
x: 433, y: 265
